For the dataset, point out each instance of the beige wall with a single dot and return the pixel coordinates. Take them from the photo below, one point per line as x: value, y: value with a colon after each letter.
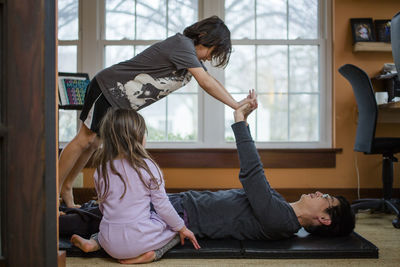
x: 344, y: 175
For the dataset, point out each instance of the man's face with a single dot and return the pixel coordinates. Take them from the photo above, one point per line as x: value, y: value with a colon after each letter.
x: 316, y: 203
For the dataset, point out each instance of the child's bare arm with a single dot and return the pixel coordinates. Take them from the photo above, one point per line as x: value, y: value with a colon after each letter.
x: 215, y: 88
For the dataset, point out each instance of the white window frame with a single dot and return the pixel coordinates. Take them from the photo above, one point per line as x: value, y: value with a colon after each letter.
x: 211, y: 124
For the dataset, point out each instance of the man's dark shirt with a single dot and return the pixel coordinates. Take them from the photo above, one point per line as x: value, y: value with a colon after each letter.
x: 255, y: 212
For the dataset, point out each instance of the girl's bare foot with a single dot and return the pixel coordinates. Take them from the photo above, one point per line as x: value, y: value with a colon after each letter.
x: 68, y: 197
x: 86, y: 245
x: 144, y: 258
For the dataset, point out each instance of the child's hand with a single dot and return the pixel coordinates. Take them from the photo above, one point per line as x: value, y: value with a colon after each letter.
x: 244, y: 111
x: 250, y: 99
x: 186, y: 233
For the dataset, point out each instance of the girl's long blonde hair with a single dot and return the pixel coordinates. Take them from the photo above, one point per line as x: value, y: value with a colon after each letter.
x: 122, y: 132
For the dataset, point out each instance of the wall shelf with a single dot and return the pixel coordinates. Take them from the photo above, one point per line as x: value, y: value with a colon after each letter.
x: 372, y: 46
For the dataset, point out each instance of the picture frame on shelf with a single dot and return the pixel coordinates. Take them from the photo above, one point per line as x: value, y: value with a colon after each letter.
x: 362, y: 30
x: 72, y: 89
x: 382, y: 29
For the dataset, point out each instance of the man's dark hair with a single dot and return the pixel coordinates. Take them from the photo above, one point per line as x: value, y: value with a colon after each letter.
x: 342, y: 220
x: 210, y: 32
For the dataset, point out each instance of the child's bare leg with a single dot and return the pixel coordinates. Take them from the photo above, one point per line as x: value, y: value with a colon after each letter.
x: 144, y: 258
x: 72, y: 160
x: 86, y: 245
x: 66, y: 189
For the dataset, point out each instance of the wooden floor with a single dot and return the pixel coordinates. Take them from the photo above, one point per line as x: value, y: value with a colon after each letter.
x: 377, y: 228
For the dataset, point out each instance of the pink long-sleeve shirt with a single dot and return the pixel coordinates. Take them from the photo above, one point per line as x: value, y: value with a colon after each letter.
x: 128, y: 228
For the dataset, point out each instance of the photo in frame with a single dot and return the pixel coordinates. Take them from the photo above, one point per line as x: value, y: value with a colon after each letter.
x: 72, y: 89
x: 382, y: 29
x: 362, y: 30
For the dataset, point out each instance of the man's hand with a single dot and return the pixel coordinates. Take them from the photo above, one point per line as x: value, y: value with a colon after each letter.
x: 248, y: 100
x: 247, y: 107
x: 186, y: 233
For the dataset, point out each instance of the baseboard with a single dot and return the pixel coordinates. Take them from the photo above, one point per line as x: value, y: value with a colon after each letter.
x: 83, y: 195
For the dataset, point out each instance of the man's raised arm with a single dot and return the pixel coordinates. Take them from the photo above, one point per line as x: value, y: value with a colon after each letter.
x: 251, y: 173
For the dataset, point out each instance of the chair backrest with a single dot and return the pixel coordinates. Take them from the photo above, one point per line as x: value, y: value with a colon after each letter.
x: 367, y: 107
x: 395, y: 39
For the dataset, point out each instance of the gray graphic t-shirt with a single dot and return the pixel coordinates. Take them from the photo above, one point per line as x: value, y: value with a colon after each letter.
x: 151, y: 75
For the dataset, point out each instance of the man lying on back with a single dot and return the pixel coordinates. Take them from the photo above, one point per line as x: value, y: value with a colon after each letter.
x: 256, y: 211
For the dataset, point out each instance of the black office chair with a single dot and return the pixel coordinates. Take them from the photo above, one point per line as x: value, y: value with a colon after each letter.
x: 369, y: 144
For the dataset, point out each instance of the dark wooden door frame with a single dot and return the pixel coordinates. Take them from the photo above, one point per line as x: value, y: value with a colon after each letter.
x: 30, y: 198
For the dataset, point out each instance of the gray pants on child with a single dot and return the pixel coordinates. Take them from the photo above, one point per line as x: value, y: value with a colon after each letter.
x: 158, y: 252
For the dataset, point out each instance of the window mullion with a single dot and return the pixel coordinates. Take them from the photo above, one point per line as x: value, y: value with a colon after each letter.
x: 214, y: 114
x: 213, y: 111
x: 288, y: 71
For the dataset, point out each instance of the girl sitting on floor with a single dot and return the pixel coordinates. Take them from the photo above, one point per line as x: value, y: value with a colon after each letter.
x: 126, y: 181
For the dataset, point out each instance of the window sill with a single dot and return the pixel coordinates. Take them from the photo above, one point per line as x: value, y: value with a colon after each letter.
x: 227, y: 158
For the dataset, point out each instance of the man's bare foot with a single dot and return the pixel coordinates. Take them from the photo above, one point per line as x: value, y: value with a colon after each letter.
x: 86, y: 245
x: 68, y: 197
x: 144, y: 258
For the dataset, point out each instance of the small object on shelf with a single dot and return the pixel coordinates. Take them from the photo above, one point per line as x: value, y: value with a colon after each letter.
x: 372, y: 46
x: 382, y: 29
x: 389, y: 67
x: 72, y: 89
x: 362, y: 30
x: 390, y: 80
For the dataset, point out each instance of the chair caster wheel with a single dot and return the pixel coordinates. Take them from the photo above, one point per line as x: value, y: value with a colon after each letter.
x: 396, y: 223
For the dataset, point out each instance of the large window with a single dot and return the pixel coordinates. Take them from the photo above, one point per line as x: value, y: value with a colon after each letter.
x: 277, y: 51
x: 280, y: 48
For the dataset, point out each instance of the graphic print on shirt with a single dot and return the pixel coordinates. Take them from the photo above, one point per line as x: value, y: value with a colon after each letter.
x: 145, y: 90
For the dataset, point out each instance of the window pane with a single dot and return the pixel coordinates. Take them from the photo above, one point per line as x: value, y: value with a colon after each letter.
x: 272, y: 120
x: 151, y: 20
x: 140, y: 48
x: 67, y: 58
x: 239, y: 17
x: 271, y: 19
x: 304, y: 68
x: 272, y: 70
x: 120, y: 19
x: 240, y: 72
x: 67, y: 125
x: 182, y: 117
x: 304, y: 117
x: 68, y: 19
x: 67, y: 122
x: 303, y: 19
x: 181, y: 13
x: 229, y: 120
x: 117, y: 53
x: 154, y: 116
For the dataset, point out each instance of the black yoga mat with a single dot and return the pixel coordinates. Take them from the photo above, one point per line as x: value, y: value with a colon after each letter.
x: 301, y: 246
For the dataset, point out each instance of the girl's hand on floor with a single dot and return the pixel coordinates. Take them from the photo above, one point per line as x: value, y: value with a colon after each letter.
x: 186, y: 233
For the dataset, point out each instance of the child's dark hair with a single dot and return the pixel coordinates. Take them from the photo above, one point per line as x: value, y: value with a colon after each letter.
x: 121, y: 133
x: 342, y: 220
x: 210, y: 32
